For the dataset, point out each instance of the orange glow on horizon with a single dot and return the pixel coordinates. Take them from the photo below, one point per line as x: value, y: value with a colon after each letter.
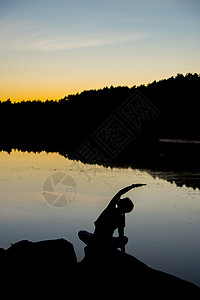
x: 56, y: 92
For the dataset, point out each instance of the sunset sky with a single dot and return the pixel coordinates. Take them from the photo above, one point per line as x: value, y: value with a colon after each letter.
x: 52, y: 48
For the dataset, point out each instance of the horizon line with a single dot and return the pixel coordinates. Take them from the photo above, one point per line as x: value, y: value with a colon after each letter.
x: 98, y: 89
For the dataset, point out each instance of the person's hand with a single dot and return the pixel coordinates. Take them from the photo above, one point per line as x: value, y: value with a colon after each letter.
x: 138, y: 185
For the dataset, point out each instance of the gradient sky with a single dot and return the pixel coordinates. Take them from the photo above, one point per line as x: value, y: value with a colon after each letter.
x: 52, y: 48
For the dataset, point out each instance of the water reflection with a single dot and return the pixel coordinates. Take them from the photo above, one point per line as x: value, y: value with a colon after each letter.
x: 163, y: 230
x: 180, y: 178
x: 176, y: 162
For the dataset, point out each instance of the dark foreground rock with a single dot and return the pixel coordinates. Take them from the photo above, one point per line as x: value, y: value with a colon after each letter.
x: 50, y: 267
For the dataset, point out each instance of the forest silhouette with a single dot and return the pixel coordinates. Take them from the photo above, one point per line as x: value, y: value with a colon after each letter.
x: 78, y: 121
x: 176, y: 98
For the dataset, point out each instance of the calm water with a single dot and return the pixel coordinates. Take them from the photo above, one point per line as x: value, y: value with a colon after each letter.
x: 46, y: 196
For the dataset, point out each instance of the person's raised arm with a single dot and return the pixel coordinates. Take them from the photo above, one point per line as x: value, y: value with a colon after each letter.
x: 116, y: 198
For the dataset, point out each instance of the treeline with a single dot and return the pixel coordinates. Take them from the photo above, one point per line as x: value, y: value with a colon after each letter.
x: 176, y: 98
x: 172, y: 106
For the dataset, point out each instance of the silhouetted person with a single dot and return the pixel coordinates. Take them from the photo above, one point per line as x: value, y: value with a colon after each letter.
x: 102, y: 242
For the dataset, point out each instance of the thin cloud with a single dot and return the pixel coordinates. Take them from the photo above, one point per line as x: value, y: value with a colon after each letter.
x: 83, y: 41
x: 20, y: 37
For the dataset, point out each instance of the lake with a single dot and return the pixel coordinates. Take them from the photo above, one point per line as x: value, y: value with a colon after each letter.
x: 47, y: 196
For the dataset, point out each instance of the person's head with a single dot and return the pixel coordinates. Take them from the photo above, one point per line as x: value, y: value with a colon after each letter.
x: 125, y: 205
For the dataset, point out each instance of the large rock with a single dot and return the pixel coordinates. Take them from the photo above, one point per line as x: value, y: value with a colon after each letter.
x: 127, y: 276
x: 49, y: 252
x: 37, y: 267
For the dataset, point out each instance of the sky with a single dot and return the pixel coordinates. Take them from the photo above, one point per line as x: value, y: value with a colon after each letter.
x: 52, y: 48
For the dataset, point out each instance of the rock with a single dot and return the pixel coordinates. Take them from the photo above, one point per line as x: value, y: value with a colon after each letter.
x: 49, y: 252
x: 37, y: 266
x: 126, y: 275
